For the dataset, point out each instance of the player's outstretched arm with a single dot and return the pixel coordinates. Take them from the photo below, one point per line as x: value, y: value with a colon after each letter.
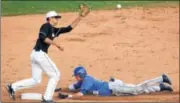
x: 76, y: 21
x: 68, y: 28
x: 70, y: 96
x: 84, y: 11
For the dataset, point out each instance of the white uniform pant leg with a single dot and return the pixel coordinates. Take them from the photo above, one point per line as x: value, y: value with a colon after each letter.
x: 117, y: 87
x: 53, y: 73
x: 148, y: 86
x: 151, y: 89
x: 151, y: 82
x: 137, y: 89
x: 36, y: 76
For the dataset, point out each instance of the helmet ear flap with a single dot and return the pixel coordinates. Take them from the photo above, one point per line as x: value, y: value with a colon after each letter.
x: 79, y: 74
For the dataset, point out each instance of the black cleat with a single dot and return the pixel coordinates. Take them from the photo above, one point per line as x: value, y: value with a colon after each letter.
x: 164, y: 87
x: 48, y: 101
x: 10, y: 91
x: 166, y: 79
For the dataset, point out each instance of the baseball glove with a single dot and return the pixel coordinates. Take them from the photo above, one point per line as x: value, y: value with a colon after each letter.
x: 84, y: 10
x: 62, y: 96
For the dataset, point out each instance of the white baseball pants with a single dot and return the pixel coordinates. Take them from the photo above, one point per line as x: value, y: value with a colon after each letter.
x: 119, y: 88
x: 40, y: 63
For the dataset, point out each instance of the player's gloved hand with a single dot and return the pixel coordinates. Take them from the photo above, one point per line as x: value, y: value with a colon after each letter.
x: 84, y: 10
x: 62, y: 96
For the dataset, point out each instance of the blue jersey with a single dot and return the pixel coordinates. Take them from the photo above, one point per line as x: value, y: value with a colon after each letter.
x: 90, y: 85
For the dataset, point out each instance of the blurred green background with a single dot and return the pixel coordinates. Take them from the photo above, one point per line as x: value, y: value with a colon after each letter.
x: 37, y: 7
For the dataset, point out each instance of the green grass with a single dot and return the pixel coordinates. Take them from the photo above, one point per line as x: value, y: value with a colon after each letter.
x: 10, y: 8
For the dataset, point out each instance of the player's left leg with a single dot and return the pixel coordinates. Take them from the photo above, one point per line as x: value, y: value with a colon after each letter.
x: 130, y: 89
x: 154, y: 85
x: 54, y: 75
x: 120, y: 88
x: 164, y: 78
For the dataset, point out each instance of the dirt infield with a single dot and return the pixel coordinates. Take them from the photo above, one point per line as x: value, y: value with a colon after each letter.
x: 130, y: 44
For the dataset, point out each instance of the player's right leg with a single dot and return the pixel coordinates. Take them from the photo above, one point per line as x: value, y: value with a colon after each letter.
x: 27, y: 83
x: 157, y: 88
x: 154, y: 85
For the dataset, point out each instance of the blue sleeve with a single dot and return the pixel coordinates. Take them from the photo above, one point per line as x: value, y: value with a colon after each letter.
x: 86, y: 85
x: 77, y: 85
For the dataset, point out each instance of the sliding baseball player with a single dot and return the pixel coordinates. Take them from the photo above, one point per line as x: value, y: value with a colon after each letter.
x: 87, y: 84
x: 40, y: 60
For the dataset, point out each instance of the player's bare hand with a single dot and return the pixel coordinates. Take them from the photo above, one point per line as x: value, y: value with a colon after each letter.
x: 60, y: 48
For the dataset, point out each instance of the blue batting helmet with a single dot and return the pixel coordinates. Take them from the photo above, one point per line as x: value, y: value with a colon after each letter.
x: 81, y: 71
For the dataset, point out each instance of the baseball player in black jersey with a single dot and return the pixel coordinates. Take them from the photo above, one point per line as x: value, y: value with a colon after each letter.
x: 40, y: 60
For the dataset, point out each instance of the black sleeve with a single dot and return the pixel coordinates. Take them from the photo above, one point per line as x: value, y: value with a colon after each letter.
x: 43, y: 33
x: 63, y: 30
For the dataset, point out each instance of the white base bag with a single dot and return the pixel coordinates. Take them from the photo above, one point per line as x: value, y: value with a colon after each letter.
x: 31, y: 96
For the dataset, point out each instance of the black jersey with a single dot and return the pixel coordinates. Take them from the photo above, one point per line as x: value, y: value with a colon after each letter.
x: 48, y: 31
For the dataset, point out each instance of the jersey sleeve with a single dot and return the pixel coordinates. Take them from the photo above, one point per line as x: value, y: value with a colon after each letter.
x: 43, y: 33
x: 63, y: 30
x: 86, y: 85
